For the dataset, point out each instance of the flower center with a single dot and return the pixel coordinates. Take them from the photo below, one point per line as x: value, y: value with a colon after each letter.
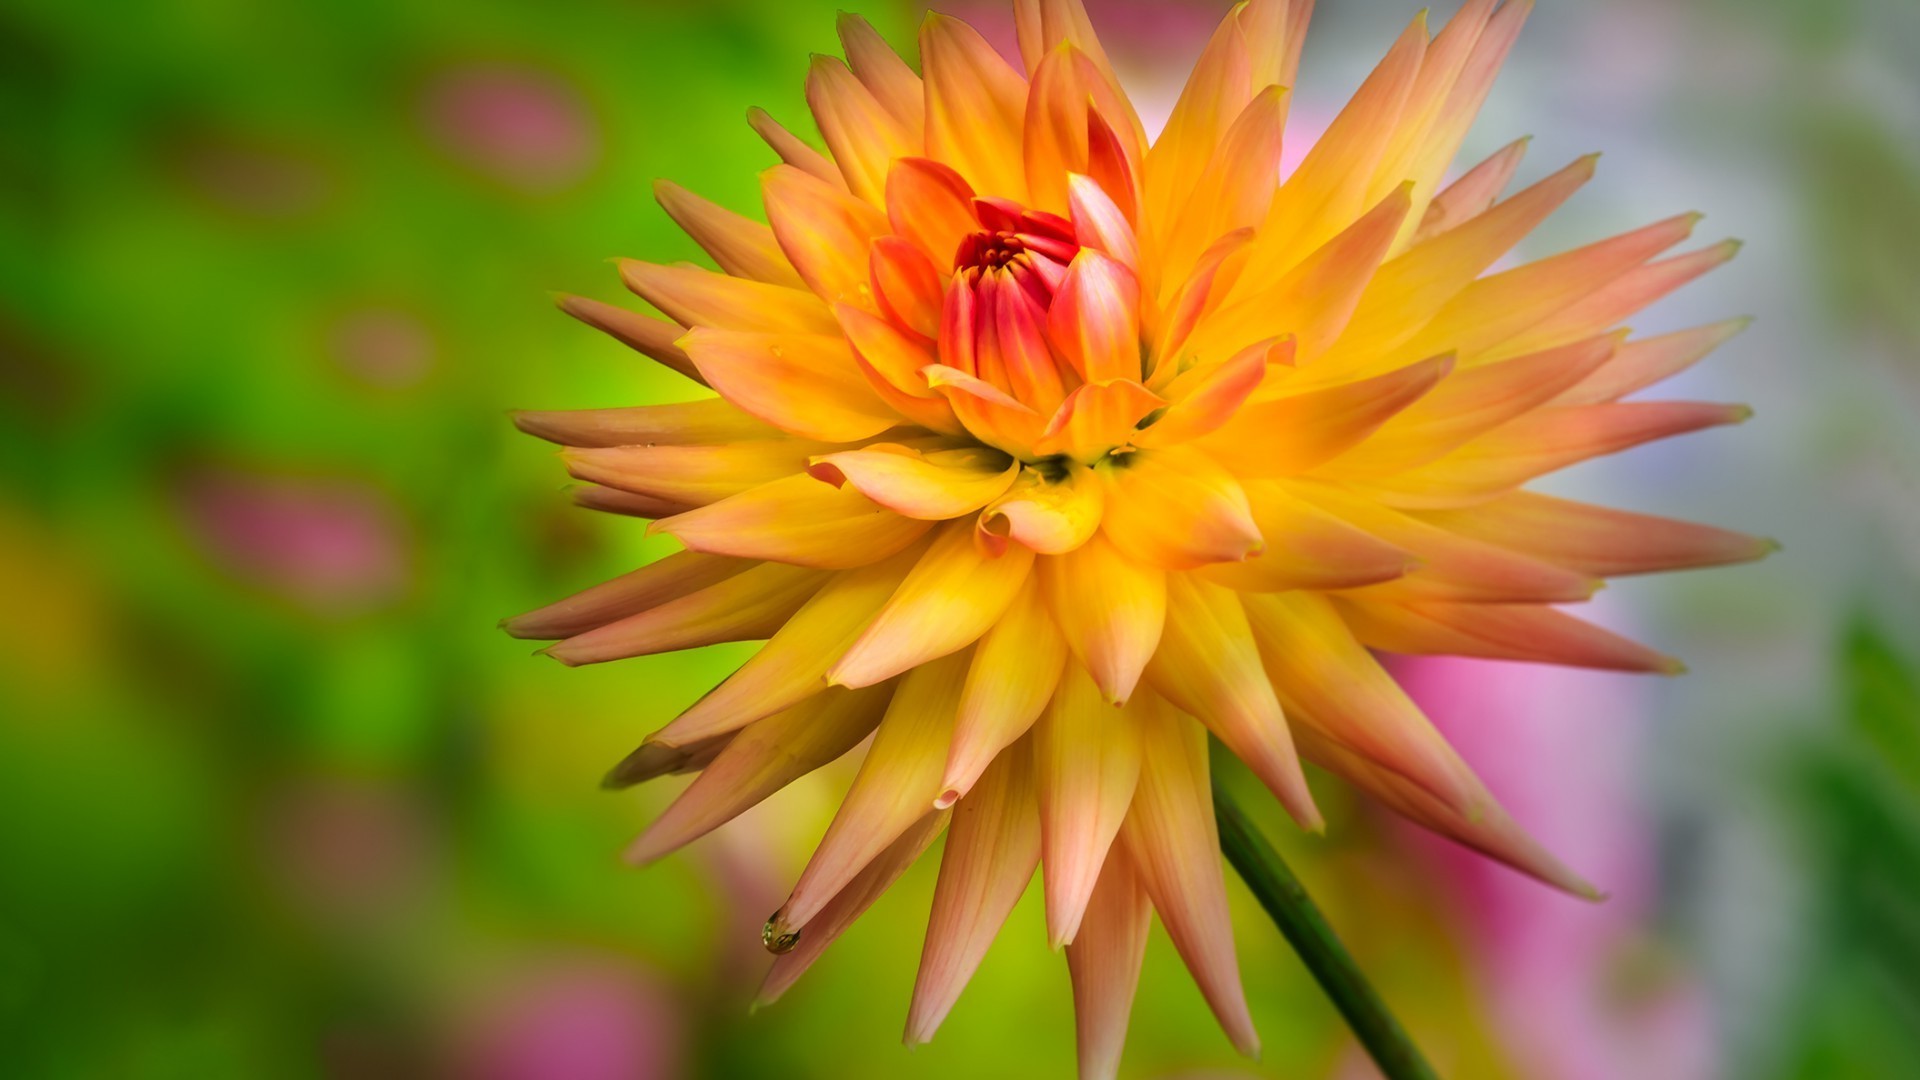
x: 994, y: 324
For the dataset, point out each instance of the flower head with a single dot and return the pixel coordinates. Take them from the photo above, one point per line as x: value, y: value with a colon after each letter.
x: 1042, y: 449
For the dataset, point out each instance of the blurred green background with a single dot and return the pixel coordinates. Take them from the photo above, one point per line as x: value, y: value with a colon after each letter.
x: 276, y: 799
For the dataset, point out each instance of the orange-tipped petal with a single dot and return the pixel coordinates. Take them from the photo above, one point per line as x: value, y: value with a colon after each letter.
x: 1100, y: 223
x: 994, y: 417
x: 1110, y: 609
x: 1619, y: 300
x: 708, y: 422
x: 1196, y: 299
x: 847, y: 905
x: 1597, y: 540
x: 1104, y: 959
x: 882, y: 71
x: 804, y: 384
x: 907, y: 286
x: 931, y: 205
x: 1216, y: 92
x: 1204, y: 399
x: 896, y: 783
x: 1176, y: 508
x: 651, y: 337
x: 1087, y: 757
x: 701, y: 298
x: 1050, y: 515
x: 1015, y: 669
x: 1095, y: 418
x: 796, y: 520
x: 792, y: 666
x: 792, y: 149
x: 1292, y: 434
x: 692, y: 475
x: 932, y: 485
x: 952, y: 597
x: 1170, y: 833
x: 742, y: 246
x: 976, y: 107
x: 761, y: 759
x: 1207, y: 665
x: 1237, y: 187
x: 1639, y: 364
x: 744, y: 607
x: 1307, y: 548
x: 993, y: 846
x: 1530, y: 632
x: 679, y: 574
x: 1472, y: 194
x: 1095, y: 321
x: 863, y: 136
x: 824, y: 232
x: 652, y: 760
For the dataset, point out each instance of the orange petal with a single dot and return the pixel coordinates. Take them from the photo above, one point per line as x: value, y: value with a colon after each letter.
x: 976, y: 107
x: 1087, y: 756
x: 1218, y: 89
x: 849, y: 904
x: 1096, y: 418
x: 1206, y: 398
x: 1051, y: 516
x: 933, y: 485
x: 742, y: 246
x: 745, y: 607
x: 1237, y: 187
x: 1292, y: 434
x: 1176, y: 508
x: 989, y: 413
x: 1445, y: 58
x: 690, y: 475
x: 1472, y: 194
x: 1170, y: 833
x: 952, y: 597
x: 993, y: 846
x: 1619, y: 300
x: 792, y: 149
x: 824, y: 232
x: 1328, y: 681
x: 880, y: 69
x: 1207, y: 665
x: 1531, y: 632
x: 1015, y: 669
x: 907, y: 286
x: 1017, y: 344
x: 695, y: 297
x: 1045, y: 25
x: 1095, y: 321
x: 931, y: 205
x: 896, y: 783
x: 1307, y: 548
x: 651, y: 337
x: 1640, y: 364
x: 1203, y: 291
x: 1469, y: 92
x: 1104, y: 959
x: 862, y: 135
x: 1595, y: 539
x: 1070, y: 105
x: 1100, y: 223
x: 707, y: 422
x: 792, y: 666
x: 679, y: 574
x: 1110, y: 609
x: 797, y: 520
x: 804, y: 384
x: 764, y: 757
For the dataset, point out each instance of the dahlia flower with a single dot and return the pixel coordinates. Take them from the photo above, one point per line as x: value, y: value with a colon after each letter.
x: 1042, y: 448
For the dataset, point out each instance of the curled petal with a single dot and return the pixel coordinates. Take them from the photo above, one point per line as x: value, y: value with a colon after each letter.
x: 1099, y: 223
x: 1208, y: 666
x: 1087, y: 755
x: 954, y: 595
x: 679, y: 574
x: 1051, y: 516
x: 932, y: 485
x: 804, y: 384
x: 1110, y: 609
x: 708, y: 422
x: 614, y: 501
x: 764, y: 757
x: 898, y: 357
x: 1475, y: 191
x: 1015, y: 669
x: 824, y: 232
x: 1236, y: 189
x: 742, y: 246
x: 1175, y: 508
x: 993, y: 846
x: 796, y: 520
x: 1597, y: 540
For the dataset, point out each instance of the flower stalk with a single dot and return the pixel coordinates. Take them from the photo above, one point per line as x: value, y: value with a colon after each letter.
x: 1305, y: 928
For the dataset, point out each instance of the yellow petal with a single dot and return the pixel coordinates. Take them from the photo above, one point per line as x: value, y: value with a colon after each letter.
x: 976, y: 107
x: 745, y: 607
x: 793, y: 150
x: 651, y: 337
x: 989, y: 413
x: 690, y: 475
x: 824, y: 233
x: 701, y: 298
x: 1096, y: 418
x: 708, y: 422
x: 1170, y: 833
x: 679, y: 574
x: 862, y: 135
x: 1472, y: 194
x: 1206, y: 398
x: 804, y: 384
x: 952, y: 597
x: 1291, y: 434
x: 932, y: 205
x: 796, y: 520
x: 1208, y: 666
x: 1307, y: 548
x: 896, y: 783
x: 933, y: 485
x: 993, y: 846
x: 1087, y: 757
x: 1177, y: 509
x: 1597, y: 540
x: 1050, y: 515
x: 1216, y: 92
x: 1104, y: 959
x: 907, y: 286
x: 742, y: 246
x: 1237, y: 186
x: 1110, y: 609
x: 1640, y: 364
x: 1058, y: 129
x: 1015, y: 669
x: 880, y: 69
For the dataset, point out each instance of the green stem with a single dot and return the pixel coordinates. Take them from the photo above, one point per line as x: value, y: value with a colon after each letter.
x: 1294, y: 912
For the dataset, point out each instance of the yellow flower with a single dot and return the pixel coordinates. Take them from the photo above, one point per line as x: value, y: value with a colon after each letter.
x: 1041, y: 450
